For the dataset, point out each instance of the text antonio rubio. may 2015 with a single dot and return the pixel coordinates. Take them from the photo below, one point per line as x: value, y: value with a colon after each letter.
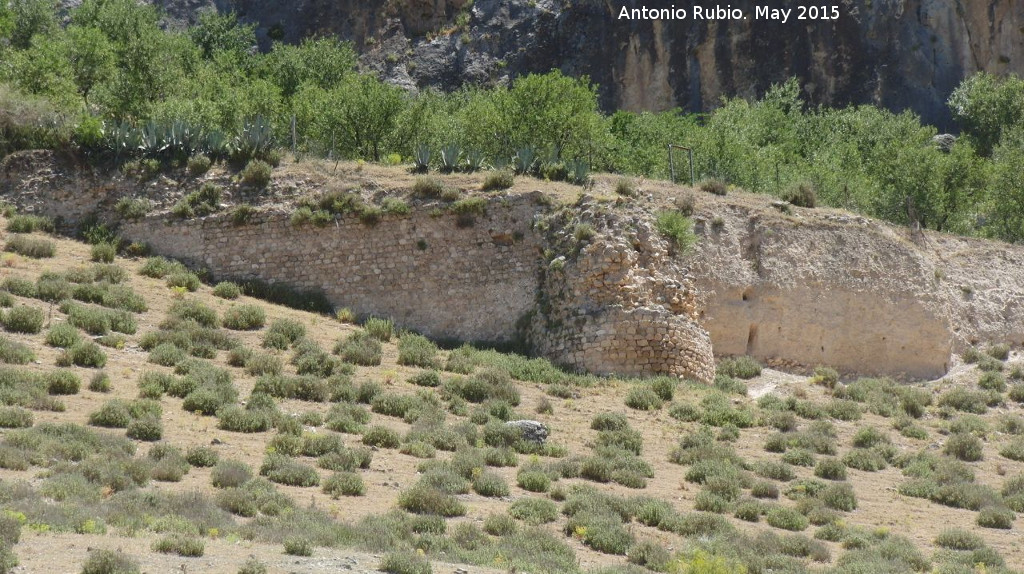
x: 728, y: 12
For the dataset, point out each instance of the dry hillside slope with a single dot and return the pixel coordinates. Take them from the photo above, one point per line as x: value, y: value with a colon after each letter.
x: 350, y: 442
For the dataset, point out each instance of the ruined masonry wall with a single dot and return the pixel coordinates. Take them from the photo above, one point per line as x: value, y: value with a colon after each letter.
x: 471, y: 283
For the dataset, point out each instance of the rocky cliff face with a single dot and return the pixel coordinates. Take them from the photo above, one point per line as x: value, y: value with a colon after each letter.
x: 900, y: 54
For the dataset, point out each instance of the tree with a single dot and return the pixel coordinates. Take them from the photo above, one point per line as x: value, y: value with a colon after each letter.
x: 215, y: 32
x: 985, y: 106
x: 1006, y: 204
x: 91, y: 57
x: 367, y: 111
x: 31, y: 17
x: 324, y: 63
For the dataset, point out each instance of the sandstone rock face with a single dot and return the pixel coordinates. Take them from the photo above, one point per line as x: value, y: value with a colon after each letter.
x: 900, y: 54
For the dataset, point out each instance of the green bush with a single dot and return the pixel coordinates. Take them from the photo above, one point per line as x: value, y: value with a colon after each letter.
x: 252, y: 566
x: 498, y: 180
x: 491, y: 485
x: 992, y: 381
x: 244, y: 318
x: 15, y: 417
x: 179, y: 544
x: 404, y: 562
x: 227, y: 290
x: 965, y: 400
x: 959, y: 539
x: 103, y: 252
x: 111, y: 414
x: 236, y: 419
x: 417, y: 351
x: 739, y: 367
x: 963, y: 446
x: 643, y: 398
x: 421, y: 499
x: 62, y: 382
x: 359, y: 348
x: 864, y: 459
x: 298, y: 546
x: 284, y: 470
x: 26, y: 223
x: 839, y: 496
x: 15, y: 353
x: 867, y: 437
x: 500, y: 525
x: 601, y: 531
x: 381, y: 437
x: 201, y: 456
x: 24, y: 319
x: 380, y: 329
x: 199, y: 164
x: 257, y: 173
x: 31, y: 247
x: 650, y: 555
x: 109, y: 562
x: 1012, y: 449
x: 533, y: 480
x: 786, y: 519
x: 801, y: 195
x: 426, y: 379
x: 426, y: 186
x: 775, y: 471
x: 230, y: 474
x: 996, y: 517
x: 830, y: 469
x: 676, y: 227
x: 145, y: 429
x: 85, y: 354
x: 62, y: 335
x: 183, y: 280
x: 194, y: 310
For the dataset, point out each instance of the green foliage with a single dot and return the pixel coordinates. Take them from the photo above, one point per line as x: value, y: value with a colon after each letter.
x: 498, y: 181
x: 676, y: 227
x: 244, y: 317
x: 739, y: 367
x: 179, y: 544
x: 404, y: 562
x: 786, y: 518
x: 109, y: 562
x: 257, y: 173
x: 417, y: 350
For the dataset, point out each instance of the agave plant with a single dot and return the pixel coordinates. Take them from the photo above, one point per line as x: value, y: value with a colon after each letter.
x: 422, y: 158
x: 474, y: 160
x: 523, y: 160
x: 450, y: 157
x: 579, y: 172
x: 123, y: 139
x: 255, y: 140
x: 154, y: 139
x: 216, y: 144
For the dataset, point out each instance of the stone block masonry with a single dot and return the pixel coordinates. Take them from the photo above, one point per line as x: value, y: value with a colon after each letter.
x: 469, y: 283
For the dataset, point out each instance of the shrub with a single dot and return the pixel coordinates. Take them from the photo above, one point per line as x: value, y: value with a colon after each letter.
x: 426, y: 379
x: 491, y: 485
x: 380, y: 329
x: 15, y: 353
x: 284, y: 470
x: 194, y: 310
x: 868, y: 437
x: 965, y: 400
x: 230, y: 474
x: 257, y: 173
x: 500, y: 525
x: 26, y: 223
x: 830, y: 469
x: 677, y: 228
x: 359, y: 348
x: 199, y: 164
x: 601, y: 531
x: 609, y: 421
x: 245, y: 318
x: 252, y: 566
x: 112, y: 414
x: 426, y: 186
x: 749, y: 510
x: 964, y: 446
x: 533, y: 480
x: 798, y: 457
x: 184, y: 280
x: 15, y: 417
x: 103, y: 252
x: 145, y: 429
x: 999, y: 351
x: 996, y: 517
x: 839, y: 496
x: 381, y: 437
x: 1012, y: 449
x: 404, y: 562
x: 422, y: 499
x: 179, y: 544
x: 31, y: 247
x: 775, y: 470
x: 417, y: 351
x: 864, y: 459
x: 236, y: 419
x: 959, y: 539
x: 786, y: 518
x: 992, y: 381
x: 643, y: 398
x: 739, y: 367
x: 713, y: 186
x: 62, y: 335
x: 201, y: 456
x: 110, y: 562
x: 344, y: 484
x: 298, y: 546
x: 86, y: 354
x: 227, y: 290
x: 801, y: 195
x: 23, y: 319
x: 62, y: 382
